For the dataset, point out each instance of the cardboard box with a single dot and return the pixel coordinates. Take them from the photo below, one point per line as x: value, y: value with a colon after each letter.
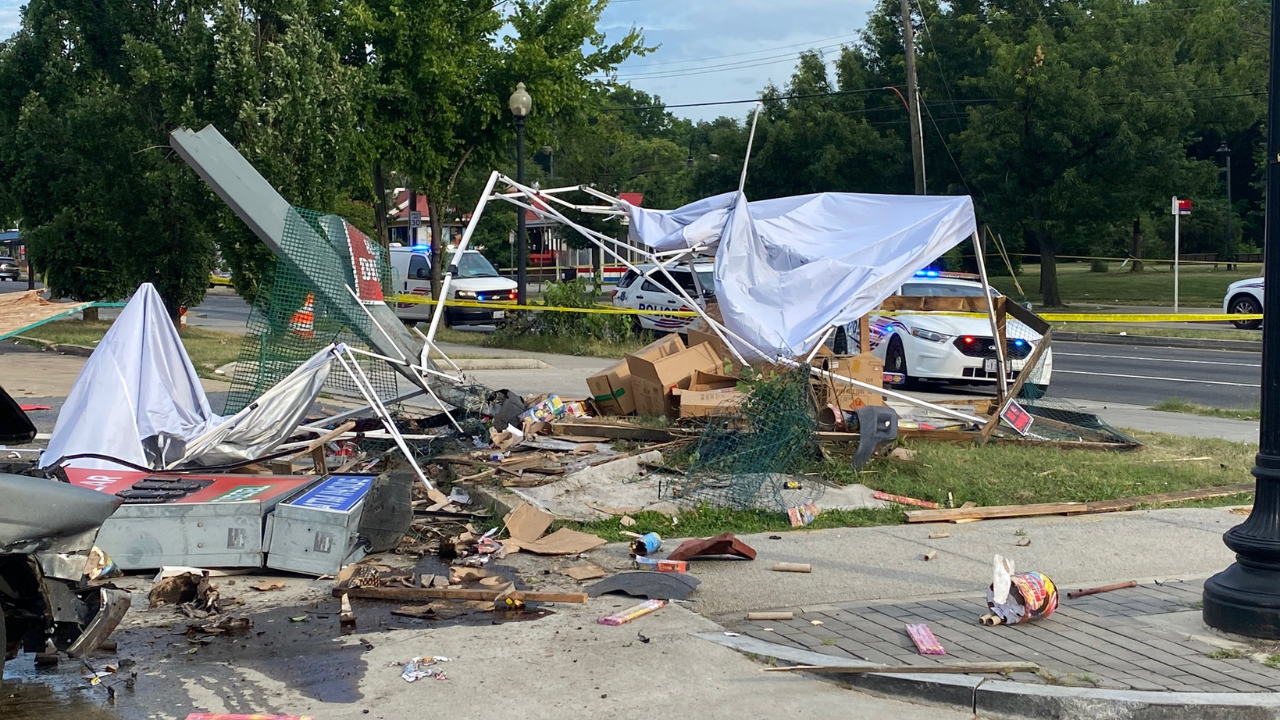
x: 710, y: 381
x: 611, y: 388
x: 653, y: 379
x: 704, y: 403
x: 864, y: 368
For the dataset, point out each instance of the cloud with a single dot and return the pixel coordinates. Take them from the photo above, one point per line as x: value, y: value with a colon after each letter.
x: 729, y: 49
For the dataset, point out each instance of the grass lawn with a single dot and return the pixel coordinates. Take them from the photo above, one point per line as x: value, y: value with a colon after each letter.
x: 560, y: 345
x: 208, y: 349
x: 1190, y: 408
x: 1198, y: 285
x: 990, y: 475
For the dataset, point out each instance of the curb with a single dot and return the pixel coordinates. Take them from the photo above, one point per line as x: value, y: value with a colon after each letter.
x: 1008, y: 699
x: 1167, y: 342
x: 78, y: 350
x: 500, y: 364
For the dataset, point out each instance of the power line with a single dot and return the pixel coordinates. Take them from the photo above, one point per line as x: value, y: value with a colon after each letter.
x: 725, y: 67
x: 753, y: 52
x: 833, y: 93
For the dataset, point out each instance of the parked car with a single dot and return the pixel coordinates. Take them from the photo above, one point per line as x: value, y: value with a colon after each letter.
x: 1244, y: 297
x: 8, y: 268
x: 656, y: 292
x: 952, y: 348
x: 476, y: 280
x: 47, y: 531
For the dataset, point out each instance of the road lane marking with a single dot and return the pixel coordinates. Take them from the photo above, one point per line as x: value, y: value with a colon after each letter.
x: 1148, y: 377
x: 1151, y: 359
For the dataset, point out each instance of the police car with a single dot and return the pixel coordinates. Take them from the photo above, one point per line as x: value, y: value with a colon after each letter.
x: 952, y: 348
x: 654, y: 291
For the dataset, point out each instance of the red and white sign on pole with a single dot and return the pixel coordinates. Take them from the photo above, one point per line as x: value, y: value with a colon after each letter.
x: 364, y: 263
x: 1179, y: 207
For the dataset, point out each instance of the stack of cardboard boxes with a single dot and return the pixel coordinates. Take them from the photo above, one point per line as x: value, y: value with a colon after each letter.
x: 674, y: 380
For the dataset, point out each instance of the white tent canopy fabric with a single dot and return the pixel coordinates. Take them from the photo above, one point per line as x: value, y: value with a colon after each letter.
x: 787, y: 269
x: 138, y: 399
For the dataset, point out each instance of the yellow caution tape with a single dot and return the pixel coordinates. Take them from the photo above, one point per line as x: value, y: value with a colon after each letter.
x: 1048, y: 317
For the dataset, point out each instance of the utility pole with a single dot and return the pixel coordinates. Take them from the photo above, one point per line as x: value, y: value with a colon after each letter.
x: 913, y: 93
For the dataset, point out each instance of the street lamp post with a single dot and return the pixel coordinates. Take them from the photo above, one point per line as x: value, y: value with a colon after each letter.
x: 1245, y: 598
x: 1228, y: 251
x: 520, y: 104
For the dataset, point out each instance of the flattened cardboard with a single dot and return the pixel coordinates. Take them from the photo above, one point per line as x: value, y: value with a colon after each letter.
x: 584, y: 572
x: 652, y: 380
x: 704, y: 403
x: 611, y: 388
x: 526, y: 523
x: 563, y: 542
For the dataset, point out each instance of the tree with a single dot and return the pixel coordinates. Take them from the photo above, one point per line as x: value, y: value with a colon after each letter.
x: 90, y: 93
x: 439, y: 73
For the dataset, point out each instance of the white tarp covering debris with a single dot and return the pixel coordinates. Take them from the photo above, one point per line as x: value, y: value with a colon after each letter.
x: 788, y: 268
x: 138, y: 399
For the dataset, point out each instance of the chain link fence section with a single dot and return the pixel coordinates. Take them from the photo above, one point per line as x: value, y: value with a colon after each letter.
x: 752, y: 455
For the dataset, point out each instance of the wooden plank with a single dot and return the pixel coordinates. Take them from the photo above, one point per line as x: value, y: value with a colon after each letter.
x: 1129, y: 503
x: 420, y: 594
x: 964, y: 669
x: 1028, y: 318
x: 616, y: 431
x: 996, y: 511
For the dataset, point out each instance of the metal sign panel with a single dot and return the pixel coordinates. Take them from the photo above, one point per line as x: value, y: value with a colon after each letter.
x: 316, y: 532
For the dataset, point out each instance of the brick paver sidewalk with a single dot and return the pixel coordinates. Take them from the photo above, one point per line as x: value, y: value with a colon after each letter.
x: 1102, y: 640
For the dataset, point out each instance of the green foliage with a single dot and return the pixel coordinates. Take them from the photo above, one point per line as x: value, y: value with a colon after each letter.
x: 577, y: 293
x: 1097, y: 266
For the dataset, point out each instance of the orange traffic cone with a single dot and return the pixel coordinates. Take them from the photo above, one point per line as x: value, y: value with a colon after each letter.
x: 303, y: 322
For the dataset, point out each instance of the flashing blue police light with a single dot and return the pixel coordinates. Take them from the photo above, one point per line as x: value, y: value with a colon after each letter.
x: 1019, y: 343
x: 926, y: 273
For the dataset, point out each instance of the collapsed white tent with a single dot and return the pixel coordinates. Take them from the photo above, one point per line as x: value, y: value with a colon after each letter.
x: 138, y: 400
x: 788, y: 269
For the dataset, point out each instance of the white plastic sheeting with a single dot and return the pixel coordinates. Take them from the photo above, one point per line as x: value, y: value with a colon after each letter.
x: 786, y: 269
x: 138, y: 399
x: 266, y: 422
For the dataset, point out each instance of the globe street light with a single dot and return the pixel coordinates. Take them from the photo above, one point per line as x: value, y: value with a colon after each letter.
x: 520, y: 104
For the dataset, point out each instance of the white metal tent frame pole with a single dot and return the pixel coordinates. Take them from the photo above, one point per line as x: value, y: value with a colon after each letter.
x: 594, y: 236
x: 462, y: 247
x: 362, y: 383
x: 418, y: 371
x: 1002, y: 366
x: 746, y: 160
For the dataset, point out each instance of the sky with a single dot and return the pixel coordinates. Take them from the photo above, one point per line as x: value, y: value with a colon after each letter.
x: 708, y: 50
x: 712, y: 50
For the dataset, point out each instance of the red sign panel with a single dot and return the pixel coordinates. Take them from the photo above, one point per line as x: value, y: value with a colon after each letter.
x: 1184, y: 207
x: 1018, y: 418
x: 211, y: 488
x: 364, y: 262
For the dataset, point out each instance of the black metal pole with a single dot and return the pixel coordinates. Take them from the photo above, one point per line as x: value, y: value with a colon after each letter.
x: 522, y: 242
x: 1231, y: 251
x: 1245, y: 598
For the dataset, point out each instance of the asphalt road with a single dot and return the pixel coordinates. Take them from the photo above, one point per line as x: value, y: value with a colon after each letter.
x: 1149, y: 376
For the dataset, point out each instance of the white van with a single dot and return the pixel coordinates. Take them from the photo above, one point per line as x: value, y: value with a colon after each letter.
x: 476, y: 280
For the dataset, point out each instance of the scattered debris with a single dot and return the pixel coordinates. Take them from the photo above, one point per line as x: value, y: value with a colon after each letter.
x: 792, y: 567
x: 626, y: 521
x: 419, y: 594
x: 925, y: 642
x: 930, y: 555
x: 1015, y: 598
x: 346, y: 616
x: 803, y: 515
x: 419, y: 668
x: 668, y: 565
x: 646, y: 544
x: 417, y: 612
x: 1104, y: 589
x: 268, y: 586
x: 904, y: 500
x: 1024, y: 542
x: 626, y: 616
x: 584, y: 572
x: 939, y: 535
x: 652, y: 585
x: 724, y: 545
x: 764, y: 616
x: 963, y: 514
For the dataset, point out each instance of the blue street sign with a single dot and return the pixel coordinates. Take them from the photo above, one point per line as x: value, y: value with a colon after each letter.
x: 339, y: 493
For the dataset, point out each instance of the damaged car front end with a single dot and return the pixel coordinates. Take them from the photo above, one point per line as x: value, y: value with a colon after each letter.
x: 48, y: 568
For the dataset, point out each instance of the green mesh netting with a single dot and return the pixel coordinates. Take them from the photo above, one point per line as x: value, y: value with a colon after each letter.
x: 750, y: 457
x: 305, y: 306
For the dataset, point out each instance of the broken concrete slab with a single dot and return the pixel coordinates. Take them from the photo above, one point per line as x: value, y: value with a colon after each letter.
x: 648, y: 585
x: 619, y: 483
